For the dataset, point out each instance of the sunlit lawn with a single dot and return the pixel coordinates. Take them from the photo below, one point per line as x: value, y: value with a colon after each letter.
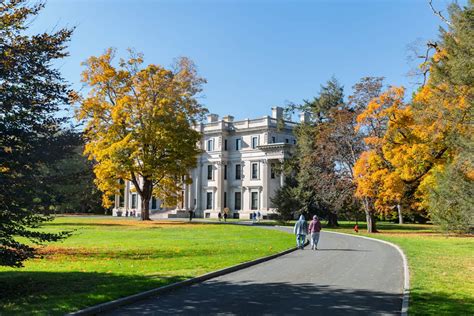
x: 441, y: 266
x: 110, y: 258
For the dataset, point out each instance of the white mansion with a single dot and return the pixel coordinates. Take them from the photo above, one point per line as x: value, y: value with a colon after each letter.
x: 237, y: 172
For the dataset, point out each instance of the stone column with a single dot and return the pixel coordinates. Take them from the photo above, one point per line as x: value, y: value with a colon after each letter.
x: 126, y: 197
x: 220, y: 187
x: 265, y: 186
x: 198, y: 187
x: 185, y: 197
x: 282, y: 175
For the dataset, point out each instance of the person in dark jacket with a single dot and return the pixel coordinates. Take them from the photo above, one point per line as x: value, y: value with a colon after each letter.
x: 314, y: 230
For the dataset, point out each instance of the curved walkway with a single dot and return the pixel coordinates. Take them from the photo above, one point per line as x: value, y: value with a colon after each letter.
x: 346, y: 276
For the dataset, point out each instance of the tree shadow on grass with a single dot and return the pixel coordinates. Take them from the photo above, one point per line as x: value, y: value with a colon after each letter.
x: 56, y: 293
x: 247, y: 298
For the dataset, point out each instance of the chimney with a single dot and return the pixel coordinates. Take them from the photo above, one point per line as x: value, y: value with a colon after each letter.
x: 228, y: 118
x: 277, y: 112
x: 304, y: 117
x: 212, y: 118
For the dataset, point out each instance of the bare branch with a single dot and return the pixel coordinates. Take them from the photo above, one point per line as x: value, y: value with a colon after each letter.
x: 438, y: 13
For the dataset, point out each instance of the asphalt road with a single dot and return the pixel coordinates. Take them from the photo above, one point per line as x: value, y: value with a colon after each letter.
x: 346, y: 276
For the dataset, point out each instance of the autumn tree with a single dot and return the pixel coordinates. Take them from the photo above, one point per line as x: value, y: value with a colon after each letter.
x: 414, y: 147
x: 32, y: 92
x: 139, y: 125
x: 446, y: 102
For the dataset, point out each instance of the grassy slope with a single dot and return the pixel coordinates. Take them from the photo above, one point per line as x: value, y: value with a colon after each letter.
x: 441, y: 267
x: 110, y: 258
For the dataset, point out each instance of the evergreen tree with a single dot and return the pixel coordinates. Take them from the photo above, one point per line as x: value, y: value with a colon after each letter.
x: 31, y: 93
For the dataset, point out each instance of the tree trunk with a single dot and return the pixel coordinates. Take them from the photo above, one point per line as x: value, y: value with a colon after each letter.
x: 400, y: 217
x: 145, y: 214
x: 369, y: 216
x: 371, y: 222
x: 147, y: 192
x: 332, y: 220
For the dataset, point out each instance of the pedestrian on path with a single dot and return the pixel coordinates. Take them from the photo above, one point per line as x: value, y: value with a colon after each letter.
x: 219, y: 216
x: 259, y: 215
x: 191, y: 213
x: 225, y: 217
x: 300, y: 230
x: 314, y: 230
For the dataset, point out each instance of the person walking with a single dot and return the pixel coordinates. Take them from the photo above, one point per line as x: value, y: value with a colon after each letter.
x: 259, y: 215
x: 314, y: 230
x: 300, y: 230
x: 191, y: 213
x: 220, y: 216
x: 225, y: 216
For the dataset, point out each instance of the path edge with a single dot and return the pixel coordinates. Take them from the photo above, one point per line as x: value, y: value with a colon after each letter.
x: 107, y: 306
x: 406, y: 271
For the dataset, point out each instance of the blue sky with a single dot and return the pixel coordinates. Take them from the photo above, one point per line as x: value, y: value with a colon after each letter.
x: 254, y: 54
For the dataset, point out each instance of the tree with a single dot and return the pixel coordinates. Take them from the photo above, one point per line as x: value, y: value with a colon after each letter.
x: 415, y: 148
x: 31, y: 93
x: 321, y: 186
x: 72, y: 178
x: 447, y: 103
x: 451, y: 195
x: 139, y: 125
x: 286, y: 200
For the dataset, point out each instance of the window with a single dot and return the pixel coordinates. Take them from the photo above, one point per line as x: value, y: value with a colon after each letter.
x: 209, y: 200
x: 209, y: 172
x: 134, y: 200
x: 154, y: 203
x: 225, y: 172
x: 121, y: 200
x: 254, y: 205
x: 272, y: 171
x: 294, y: 141
x: 210, y: 145
x: 273, y: 140
x: 225, y: 199
x: 238, y: 201
x: 238, y: 144
x: 287, y: 140
x: 225, y: 144
x: 238, y: 174
x: 254, y: 142
x: 182, y: 199
x: 255, y: 170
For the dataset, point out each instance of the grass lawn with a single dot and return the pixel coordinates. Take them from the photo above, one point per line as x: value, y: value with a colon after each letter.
x: 441, y: 267
x: 110, y: 258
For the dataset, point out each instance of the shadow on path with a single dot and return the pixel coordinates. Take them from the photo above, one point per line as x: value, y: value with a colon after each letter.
x: 248, y: 298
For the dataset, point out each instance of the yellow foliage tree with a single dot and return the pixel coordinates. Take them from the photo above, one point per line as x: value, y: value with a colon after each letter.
x: 139, y: 125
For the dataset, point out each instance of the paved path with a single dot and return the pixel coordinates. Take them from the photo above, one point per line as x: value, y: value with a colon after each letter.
x: 346, y: 276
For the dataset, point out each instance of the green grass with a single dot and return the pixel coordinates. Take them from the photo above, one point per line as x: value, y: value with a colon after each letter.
x: 441, y: 266
x: 110, y: 258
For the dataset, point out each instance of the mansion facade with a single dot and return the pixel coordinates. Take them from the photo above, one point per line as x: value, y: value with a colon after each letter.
x: 237, y: 172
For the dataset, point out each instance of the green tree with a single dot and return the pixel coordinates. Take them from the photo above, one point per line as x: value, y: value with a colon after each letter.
x: 31, y: 93
x: 72, y: 179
